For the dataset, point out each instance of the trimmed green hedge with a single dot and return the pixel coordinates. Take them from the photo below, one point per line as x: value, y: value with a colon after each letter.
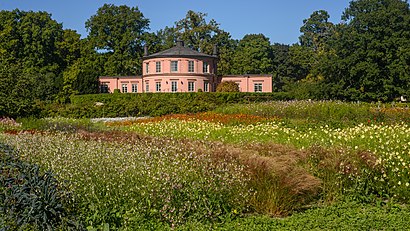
x: 152, y: 104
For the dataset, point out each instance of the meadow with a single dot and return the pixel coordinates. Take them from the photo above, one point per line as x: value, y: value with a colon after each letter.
x: 285, y: 165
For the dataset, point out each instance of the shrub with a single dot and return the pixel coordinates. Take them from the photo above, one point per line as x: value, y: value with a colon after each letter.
x: 29, y: 198
x: 227, y: 86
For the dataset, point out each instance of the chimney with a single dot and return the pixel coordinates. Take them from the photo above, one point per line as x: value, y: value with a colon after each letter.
x: 180, y: 43
x: 215, y: 51
x: 145, y: 50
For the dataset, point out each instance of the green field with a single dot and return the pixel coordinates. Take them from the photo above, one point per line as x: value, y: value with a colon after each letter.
x: 296, y: 165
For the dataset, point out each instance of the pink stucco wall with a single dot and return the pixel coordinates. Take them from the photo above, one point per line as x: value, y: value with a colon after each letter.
x: 182, y: 78
x: 117, y: 82
x: 182, y: 66
x: 247, y: 83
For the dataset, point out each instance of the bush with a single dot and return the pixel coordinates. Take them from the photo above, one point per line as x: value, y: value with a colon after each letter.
x: 30, y: 199
x: 227, y: 86
x: 115, y: 105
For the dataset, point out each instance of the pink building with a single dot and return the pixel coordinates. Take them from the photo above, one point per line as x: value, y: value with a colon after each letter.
x: 181, y: 69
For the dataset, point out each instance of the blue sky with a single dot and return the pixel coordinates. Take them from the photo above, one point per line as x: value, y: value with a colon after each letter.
x: 277, y: 19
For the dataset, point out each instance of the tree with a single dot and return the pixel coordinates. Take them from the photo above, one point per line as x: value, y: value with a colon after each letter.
x: 119, y: 31
x: 16, y: 98
x: 30, y: 39
x: 370, y: 52
x: 201, y: 35
x: 227, y: 86
x: 253, y: 55
x: 316, y: 30
x: 196, y: 32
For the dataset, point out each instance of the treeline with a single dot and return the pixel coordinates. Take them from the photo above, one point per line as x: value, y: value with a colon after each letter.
x: 364, y: 57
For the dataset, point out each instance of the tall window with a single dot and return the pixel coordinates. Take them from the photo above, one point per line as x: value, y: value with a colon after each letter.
x: 158, y: 67
x: 205, y: 67
x: 146, y: 67
x: 257, y: 87
x: 124, y: 88
x: 158, y: 86
x: 174, y: 66
x: 191, y: 86
x: 190, y: 66
x: 104, y: 88
x: 146, y: 86
x: 206, y: 86
x: 134, y: 87
x: 174, y: 86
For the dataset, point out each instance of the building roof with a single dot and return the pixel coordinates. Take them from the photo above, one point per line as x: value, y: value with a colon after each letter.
x: 179, y: 51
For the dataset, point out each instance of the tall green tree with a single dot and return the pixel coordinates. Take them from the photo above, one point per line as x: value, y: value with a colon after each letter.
x: 119, y: 31
x: 316, y: 30
x: 201, y: 35
x: 31, y: 39
x: 253, y: 55
x: 370, y: 52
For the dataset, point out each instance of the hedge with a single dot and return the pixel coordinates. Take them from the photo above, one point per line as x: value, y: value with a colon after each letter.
x: 152, y: 104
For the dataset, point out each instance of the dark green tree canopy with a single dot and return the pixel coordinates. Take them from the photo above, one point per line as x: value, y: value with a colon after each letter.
x: 316, y: 30
x: 370, y: 51
x: 253, y: 55
x: 120, y: 31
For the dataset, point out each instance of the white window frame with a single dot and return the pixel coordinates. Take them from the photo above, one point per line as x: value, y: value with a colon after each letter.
x: 158, y: 86
x: 191, y: 86
x: 146, y: 86
x: 206, y: 86
x: 147, y: 68
x: 205, y: 67
x: 158, y: 66
x: 191, y: 66
x: 174, y: 66
x: 134, y: 88
x: 124, y: 87
x: 257, y: 87
x: 174, y: 86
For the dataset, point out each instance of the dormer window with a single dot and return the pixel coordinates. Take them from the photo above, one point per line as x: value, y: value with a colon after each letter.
x: 174, y: 66
x: 205, y: 67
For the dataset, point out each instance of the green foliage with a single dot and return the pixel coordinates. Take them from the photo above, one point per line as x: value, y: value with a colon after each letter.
x: 227, y: 86
x: 253, y: 55
x: 343, y: 216
x: 316, y: 30
x: 31, y: 199
x: 114, y: 105
x: 119, y: 31
x: 16, y: 98
x: 122, y: 183
x: 369, y: 52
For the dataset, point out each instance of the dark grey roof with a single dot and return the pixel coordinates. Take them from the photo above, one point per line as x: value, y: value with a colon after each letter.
x: 179, y: 51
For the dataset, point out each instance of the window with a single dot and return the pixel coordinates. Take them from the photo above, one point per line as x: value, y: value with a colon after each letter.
x: 158, y: 67
x: 146, y: 67
x: 206, y: 86
x: 174, y: 66
x: 147, y: 87
x: 124, y: 88
x: 190, y: 66
x: 134, y: 87
x: 257, y: 87
x: 205, y: 69
x: 158, y: 86
x: 104, y: 88
x: 174, y: 86
x: 191, y: 86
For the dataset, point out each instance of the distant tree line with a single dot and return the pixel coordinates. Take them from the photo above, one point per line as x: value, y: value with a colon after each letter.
x: 364, y: 57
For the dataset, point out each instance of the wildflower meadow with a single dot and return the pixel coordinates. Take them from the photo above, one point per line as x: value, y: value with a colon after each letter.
x: 235, y: 168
